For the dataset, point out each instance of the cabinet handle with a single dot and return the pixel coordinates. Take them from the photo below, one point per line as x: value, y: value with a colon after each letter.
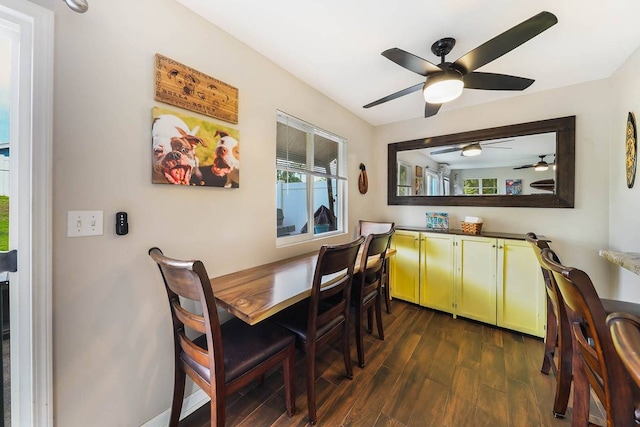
x: 493, y: 246
x: 500, y: 247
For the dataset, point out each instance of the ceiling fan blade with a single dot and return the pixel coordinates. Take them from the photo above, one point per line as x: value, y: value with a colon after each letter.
x: 431, y: 109
x: 524, y: 167
x: 398, y: 94
x: 502, y: 141
x: 506, y: 42
x: 411, y: 62
x: 492, y: 81
x: 446, y: 150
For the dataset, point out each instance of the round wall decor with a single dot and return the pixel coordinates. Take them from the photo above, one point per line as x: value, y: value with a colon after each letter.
x: 631, y: 150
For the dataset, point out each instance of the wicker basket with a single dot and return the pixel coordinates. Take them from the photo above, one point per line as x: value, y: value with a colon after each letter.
x: 471, y: 227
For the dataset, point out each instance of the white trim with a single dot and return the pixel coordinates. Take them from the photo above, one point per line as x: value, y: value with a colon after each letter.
x: 30, y: 305
x: 189, y: 405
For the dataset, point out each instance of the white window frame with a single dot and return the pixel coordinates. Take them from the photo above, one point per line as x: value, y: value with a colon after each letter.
x: 341, y: 181
x: 481, y: 187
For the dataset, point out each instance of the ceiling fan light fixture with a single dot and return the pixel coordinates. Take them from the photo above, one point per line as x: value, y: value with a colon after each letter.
x: 443, y: 87
x: 471, y: 150
x: 541, y: 166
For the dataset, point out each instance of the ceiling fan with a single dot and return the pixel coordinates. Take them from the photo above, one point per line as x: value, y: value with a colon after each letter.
x: 446, y: 80
x: 541, y: 165
x: 472, y: 149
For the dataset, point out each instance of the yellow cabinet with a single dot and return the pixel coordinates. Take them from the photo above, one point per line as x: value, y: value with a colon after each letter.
x: 436, y: 268
x: 475, y: 278
x: 521, y: 298
x: 495, y: 281
x: 405, y: 263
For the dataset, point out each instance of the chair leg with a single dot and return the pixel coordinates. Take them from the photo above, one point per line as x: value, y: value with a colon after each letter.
x: 178, y: 395
x: 565, y: 366
x: 581, y: 398
x: 550, y: 338
x: 359, y: 338
x: 346, y: 353
x: 387, y: 288
x: 379, y: 318
x: 288, y: 369
x: 370, y: 319
x: 311, y: 383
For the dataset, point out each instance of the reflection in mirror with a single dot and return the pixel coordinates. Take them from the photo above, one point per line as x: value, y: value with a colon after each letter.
x: 501, y: 167
x: 527, y: 165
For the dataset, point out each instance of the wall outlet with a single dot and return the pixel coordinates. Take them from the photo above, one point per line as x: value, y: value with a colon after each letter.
x: 84, y: 223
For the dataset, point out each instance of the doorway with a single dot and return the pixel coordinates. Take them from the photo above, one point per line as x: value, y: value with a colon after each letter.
x: 28, y: 98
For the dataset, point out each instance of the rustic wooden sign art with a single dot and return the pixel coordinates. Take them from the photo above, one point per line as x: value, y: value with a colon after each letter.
x: 184, y: 87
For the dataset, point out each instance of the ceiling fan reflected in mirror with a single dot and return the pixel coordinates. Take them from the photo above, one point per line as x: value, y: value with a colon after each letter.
x: 473, y: 149
x: 539, y: 166
x: 445, y: 81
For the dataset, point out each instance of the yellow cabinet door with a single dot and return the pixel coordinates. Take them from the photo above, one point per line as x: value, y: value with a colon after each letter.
x: 437, y: 267
x: 405, y: 266
x: 475, y: 278
x: 521, y: 294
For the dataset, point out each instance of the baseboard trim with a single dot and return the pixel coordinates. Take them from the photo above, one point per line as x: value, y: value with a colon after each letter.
x: 189, y: 405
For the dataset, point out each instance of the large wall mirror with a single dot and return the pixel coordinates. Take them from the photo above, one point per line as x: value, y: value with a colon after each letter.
x: 523, y: 165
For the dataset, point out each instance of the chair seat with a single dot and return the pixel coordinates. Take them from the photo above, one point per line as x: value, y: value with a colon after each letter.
x: 295, y: 319
x: 244, y: 347
x: 612, y: 306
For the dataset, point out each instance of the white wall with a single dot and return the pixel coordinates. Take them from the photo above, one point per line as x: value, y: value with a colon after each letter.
x: 577, y: 233
x: 624, y: 212
x: 113, y: 359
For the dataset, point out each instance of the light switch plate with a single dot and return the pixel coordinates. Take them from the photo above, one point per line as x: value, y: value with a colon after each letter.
x: 84, y: 223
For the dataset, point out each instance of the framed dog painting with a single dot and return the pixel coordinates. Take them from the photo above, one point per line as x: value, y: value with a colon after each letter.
x: 190, y: 151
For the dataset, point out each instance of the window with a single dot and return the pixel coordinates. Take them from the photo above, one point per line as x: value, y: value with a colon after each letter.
x: 433, y: 182
x: 310, y: 180
x: 480, y: 186
x: 404, y: 179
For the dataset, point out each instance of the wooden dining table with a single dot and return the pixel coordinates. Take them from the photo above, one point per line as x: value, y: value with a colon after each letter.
x: 256, y: 293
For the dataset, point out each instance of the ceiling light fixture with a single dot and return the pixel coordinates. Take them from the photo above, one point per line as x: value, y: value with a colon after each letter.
x: 472, y: 150
x: 541, y: 166
x: 80, y: 6
x: 443, y: 87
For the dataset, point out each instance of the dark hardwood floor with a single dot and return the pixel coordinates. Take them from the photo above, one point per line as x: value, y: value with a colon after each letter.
x: 431, y: 370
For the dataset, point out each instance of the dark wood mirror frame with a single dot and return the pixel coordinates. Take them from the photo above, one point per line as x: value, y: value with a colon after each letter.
x: 565, y: 166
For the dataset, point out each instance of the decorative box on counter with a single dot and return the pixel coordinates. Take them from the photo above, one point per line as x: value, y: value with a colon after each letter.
x: 438, y: 220
x: 471, y: 225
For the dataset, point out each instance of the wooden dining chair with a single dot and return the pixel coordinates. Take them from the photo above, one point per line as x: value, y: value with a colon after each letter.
x: 376, y: 227
x: 625, y: 333
x: 558, y: 333
x: 325, y: 314
x: 366, y: 291
x: 596, y: 364
x: 222, y: 359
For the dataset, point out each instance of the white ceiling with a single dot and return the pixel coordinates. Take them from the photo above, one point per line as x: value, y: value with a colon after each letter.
x: 335, y: 45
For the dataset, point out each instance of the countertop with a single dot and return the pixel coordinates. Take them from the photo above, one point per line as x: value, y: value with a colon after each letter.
x: 493, y: 234
x: 628, y: 260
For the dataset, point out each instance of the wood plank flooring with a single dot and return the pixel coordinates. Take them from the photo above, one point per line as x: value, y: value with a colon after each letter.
x: 431, y: 370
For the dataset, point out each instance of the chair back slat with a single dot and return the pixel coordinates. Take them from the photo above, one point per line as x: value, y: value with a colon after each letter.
x: 189, y: 319
x: 373, y: 227
x: 193, y: 351
x: 592, y: 340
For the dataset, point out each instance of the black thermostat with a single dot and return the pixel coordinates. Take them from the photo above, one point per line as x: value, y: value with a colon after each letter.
x: 122, y: 226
